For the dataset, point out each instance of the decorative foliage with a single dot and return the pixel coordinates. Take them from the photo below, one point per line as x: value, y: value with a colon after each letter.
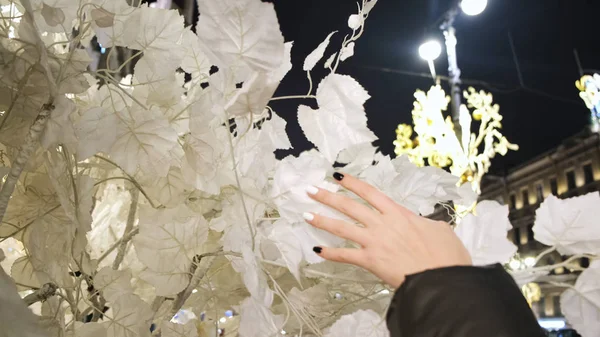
x: 150, y: 205
x: 589, y: 87
x: 437, y: 144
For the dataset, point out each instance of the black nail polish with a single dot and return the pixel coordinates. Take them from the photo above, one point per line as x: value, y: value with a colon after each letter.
x: 338, y: 176
x: 317, y: 250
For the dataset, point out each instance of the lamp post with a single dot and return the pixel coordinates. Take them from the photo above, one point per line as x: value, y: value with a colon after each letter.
x: 471, y: 8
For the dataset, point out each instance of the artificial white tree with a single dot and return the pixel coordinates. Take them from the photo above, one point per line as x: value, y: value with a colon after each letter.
x: 152, y: 206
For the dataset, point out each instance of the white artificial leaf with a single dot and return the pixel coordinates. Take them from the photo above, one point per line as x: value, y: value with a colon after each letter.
x: 144, y: 141
x: 329, y: 61
x: 358, y: 158
x: 59, y: 128
x: 347, y: 51
x: 417, y: 188
x: 195, y: 60
x: 96, y: 132
x: 485, y: 234
x: 90, y: 329
x: 124, y: 27
x: 340, y: 121
x: 15, y: 318
x: 571, y: 224
x: 253, y: 97
x: 251, y: 312
x: 278, y: 74
x: 113, y: 283
x: 369, y: 6
x: 316, y: 55
x: 170, y: 191
x: 169, y: 329
x: 156, y: 81
x: 242, y: 32
x: 167, y: 243
x: 129, y: 316
x: 253, y: 276
x: 359, y: 324
x: 160, y: 31
x: 287, y: 243
x: 275, y: 130
x: 581, y: 304
x: 292, y: 177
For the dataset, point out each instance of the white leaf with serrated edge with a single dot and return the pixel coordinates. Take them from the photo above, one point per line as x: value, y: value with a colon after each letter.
x: 130, y: 317
x: 96, y: 132
x: 169, y: 329
x: 485, y: 234
x: 113, y: 283
x: 144, y: 141
x: 243, y: 32
x: 167, y: 243
x: 359, y: 324
x: 340, y: 121
x: 316, y: 55
x: 251, y: 312
x: 581, y: 304
x: 571, y: 224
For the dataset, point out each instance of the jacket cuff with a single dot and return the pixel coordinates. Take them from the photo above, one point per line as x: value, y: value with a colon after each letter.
x: 461, y: 301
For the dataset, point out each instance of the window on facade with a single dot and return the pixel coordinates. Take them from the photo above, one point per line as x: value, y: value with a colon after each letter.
x: 525, y: 197
x: 588, y: 174
x: 539, y: 192
x: 554, y: 186
x: 513, y: 201
x: 517, y: 235
x: 571, y: 185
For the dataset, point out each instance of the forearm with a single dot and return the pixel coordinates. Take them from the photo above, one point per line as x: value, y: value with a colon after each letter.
x: 461, y: 302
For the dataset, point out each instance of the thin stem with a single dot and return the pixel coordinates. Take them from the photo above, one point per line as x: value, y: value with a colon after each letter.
x: 135, y: 193
x: 544, y: 253
x: 293, y: 97
x: 125, y: 238
x: 197, y: 275
x: 237, y: 179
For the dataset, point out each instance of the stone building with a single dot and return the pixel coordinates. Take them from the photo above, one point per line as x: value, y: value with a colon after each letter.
x: 570, y: 170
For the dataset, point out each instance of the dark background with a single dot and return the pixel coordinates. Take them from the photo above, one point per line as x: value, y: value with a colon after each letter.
x: 538, y: 115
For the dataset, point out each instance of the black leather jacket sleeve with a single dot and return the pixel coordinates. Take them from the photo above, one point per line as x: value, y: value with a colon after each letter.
x: 461, y: 302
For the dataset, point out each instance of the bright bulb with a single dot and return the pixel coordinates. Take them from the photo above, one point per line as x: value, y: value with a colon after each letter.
x: 515, y: 264
x: 223, y: 320
x: 430, y: 50
x: 529, y: 261
x: 473, y: 7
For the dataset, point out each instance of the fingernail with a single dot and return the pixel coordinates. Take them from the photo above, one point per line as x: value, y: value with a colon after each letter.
x: 312, y: 190
x: 338, y: 176
x: 317, y: 250
x: 308, y: 216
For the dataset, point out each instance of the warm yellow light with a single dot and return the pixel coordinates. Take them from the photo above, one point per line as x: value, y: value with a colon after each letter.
x: 436, y: 143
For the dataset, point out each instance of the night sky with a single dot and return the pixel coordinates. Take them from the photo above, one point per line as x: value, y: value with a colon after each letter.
x: 545, y: 33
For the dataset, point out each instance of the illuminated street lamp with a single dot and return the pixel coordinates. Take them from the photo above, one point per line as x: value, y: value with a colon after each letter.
x: 430, y: 51
x: 469, y: 7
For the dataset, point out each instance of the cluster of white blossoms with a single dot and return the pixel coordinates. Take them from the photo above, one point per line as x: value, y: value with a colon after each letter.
x: 126, y: 203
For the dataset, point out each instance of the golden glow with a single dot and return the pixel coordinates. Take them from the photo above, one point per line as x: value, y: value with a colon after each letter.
x: 436, y: 143
x: 532, y: 292
x: 589, y: 87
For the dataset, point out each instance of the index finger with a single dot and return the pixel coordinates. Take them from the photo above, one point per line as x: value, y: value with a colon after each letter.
x: 367, y: 192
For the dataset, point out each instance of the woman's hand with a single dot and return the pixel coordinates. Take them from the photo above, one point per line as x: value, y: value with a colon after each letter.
x: 395, y: 242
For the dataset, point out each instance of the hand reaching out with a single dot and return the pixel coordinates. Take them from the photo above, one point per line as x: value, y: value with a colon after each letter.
x: 394, y: 241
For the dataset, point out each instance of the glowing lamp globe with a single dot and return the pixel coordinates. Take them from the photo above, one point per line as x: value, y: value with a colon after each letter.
x: 473, y: 7
x: 430, y: 50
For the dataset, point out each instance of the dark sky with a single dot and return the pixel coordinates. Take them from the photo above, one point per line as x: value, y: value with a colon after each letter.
x: 545, y: 33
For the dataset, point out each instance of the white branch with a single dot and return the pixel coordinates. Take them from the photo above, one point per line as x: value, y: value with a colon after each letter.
x: 135, y: 193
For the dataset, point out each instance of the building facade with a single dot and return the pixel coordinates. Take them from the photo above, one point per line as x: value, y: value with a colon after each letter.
x: 570, y: 170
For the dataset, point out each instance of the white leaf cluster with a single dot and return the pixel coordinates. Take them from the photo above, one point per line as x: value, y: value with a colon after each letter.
x: 152, y: 194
